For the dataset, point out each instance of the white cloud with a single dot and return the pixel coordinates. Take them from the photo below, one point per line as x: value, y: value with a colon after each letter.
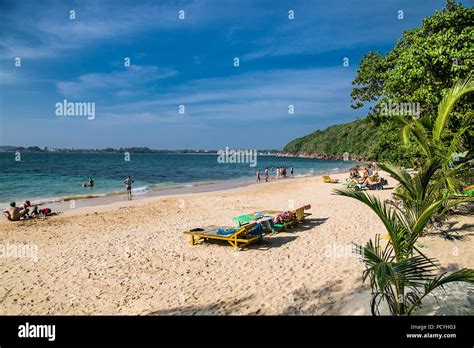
x: 44, y: 30
x: 129, y: 81
x: 263, y: 96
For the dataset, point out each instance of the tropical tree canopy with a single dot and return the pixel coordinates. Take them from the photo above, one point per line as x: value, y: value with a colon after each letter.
x: 423, y: 65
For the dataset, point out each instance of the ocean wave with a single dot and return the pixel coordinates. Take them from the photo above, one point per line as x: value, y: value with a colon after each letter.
x: 140, y: 190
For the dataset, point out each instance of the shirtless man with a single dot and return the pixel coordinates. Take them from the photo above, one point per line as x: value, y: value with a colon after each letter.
x: 13, y: 213
x: 128, y: 182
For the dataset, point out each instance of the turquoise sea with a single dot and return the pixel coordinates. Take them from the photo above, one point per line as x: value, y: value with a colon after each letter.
x: 45, y: 177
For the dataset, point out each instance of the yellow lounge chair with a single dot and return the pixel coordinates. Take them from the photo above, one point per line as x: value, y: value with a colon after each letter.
x: 299, y: 215
x: 239, y: 237
x: 327, y: 179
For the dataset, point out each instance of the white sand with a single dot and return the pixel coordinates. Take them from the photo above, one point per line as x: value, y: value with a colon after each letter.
x: 132, y: 258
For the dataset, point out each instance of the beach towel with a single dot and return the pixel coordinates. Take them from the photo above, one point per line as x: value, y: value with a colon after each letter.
x: 221, y: 231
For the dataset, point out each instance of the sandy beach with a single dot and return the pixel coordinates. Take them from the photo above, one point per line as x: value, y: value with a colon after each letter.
x: 132, y: 258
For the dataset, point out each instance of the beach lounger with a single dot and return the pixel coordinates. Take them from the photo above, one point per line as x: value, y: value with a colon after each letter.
x: 265, y: 217
x: 468, y: 191
x: 375, y: 186
x: 327, y: 179
x: 239, y: 237
x: 350, y: 183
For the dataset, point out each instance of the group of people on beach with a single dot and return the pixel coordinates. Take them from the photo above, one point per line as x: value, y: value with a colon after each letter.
x: 24, y: 211
x: 369, y: 178
x: 128, y: 183
x: 14, y: 213
x: 280, y: 173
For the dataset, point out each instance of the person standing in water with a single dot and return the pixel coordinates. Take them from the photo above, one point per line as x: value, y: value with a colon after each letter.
x: 128, y: 182
x: 91, y: 182
x: 291, y: 171
x: 266, y: 174
x: 258, y: 175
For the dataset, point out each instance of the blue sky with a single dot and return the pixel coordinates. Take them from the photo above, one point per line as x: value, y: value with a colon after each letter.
x: 188, y: 62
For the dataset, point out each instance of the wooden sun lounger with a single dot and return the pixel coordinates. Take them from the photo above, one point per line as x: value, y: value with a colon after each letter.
x: 327, y: 179
x: 299, y: 214
x: 238, y: 239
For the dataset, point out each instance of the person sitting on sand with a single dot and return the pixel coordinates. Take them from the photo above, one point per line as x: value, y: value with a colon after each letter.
x: 45, y: 211
x: 364, y: 177
x: 128, y: 182
x: 13, y: 212
x: 24, y: 208
x: 370, y: 170
x: 354, y: 173
x: 35, y: 211
x: 375, y: 166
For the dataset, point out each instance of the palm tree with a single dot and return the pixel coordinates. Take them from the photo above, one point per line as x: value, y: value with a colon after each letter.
x: 399, y: 273
x: 434, y: 139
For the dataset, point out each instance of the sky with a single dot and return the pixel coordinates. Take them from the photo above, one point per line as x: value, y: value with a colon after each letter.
x: 188, y: 64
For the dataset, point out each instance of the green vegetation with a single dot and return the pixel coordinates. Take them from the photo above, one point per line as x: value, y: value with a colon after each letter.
x: 400, y: 275
x: 361, y: 138
x: 422, y: 66
x: 334, y: 141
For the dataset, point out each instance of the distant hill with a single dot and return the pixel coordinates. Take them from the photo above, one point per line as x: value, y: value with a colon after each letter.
x: 358, y: 138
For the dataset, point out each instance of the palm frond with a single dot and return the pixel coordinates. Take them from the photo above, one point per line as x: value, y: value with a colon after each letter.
x: 463, y: 275
x: 447, y: 103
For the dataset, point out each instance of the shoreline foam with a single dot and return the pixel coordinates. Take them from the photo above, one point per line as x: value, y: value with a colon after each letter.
x: 62, y: 204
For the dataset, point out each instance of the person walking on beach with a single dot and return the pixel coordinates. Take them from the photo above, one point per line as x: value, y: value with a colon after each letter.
x: 266, y: 174
x: 128, y: 182
x: 258, y: 175
x: 278, y: 173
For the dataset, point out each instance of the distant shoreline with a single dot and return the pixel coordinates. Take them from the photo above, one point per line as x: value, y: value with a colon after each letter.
x: 140, y: 150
